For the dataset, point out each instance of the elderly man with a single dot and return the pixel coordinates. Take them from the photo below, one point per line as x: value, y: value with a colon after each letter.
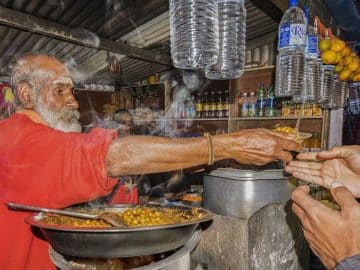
x: 45, y: 161
x: 332, y: 235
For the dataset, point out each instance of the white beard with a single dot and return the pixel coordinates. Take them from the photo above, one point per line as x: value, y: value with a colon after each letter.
x: 65, y: 120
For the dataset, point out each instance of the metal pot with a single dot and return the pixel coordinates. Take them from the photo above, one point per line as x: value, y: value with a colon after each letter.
x: 240, y: 193
x: 180, y: 260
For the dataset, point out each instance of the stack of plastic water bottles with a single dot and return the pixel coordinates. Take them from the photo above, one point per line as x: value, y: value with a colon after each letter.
x: 209, y: 34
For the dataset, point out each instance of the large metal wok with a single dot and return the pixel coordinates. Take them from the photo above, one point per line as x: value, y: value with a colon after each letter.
x: 116, y: 242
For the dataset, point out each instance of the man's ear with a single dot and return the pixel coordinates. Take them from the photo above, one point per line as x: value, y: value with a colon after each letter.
x: 25, y: 94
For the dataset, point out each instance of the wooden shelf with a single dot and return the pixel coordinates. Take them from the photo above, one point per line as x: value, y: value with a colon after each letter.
x: 197, y: 119
x: 275, y: 118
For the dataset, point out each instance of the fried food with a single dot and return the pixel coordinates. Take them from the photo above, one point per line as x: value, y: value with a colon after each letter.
x: 133, y: 217
x: 293, y: 133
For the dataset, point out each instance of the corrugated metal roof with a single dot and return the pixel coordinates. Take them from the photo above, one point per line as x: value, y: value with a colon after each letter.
x: 140, y: 23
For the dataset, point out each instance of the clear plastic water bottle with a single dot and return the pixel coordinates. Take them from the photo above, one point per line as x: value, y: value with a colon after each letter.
x: 261, y: 101
x: 245, y: 106
x: 290, y: 64
x: 312, y: 64
x: 190, y: 110
x: 252, y: 105
x: 326, y: 79
x: 232, y: 36
x: 194, y: 35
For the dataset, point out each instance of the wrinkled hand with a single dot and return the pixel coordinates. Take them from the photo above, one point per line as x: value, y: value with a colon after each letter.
x: 260, y: 146
x: 341, y: 164
x: 332, y: 235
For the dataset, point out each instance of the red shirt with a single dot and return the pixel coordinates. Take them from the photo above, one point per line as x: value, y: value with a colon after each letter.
x: 49, y: 168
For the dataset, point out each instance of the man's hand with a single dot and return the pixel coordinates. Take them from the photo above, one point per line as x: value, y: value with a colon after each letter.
x: 259, y: 146
x: 342, y: 164
x: 332, y: 235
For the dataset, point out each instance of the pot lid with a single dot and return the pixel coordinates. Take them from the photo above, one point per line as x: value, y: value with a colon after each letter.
x: 246, y: 175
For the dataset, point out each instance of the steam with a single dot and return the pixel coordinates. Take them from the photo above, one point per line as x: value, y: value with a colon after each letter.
x: 87, y: 69
x: 87, y: 37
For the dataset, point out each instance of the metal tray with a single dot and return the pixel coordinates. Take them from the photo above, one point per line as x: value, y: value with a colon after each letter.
x: 116, y: 242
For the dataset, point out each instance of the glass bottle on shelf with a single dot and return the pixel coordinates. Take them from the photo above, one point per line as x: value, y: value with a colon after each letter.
x: 226, y: 104
x: 219, y: 105
x: 306, y: 145
x: 292, y: 108
x: 261, y: 101
x: 199, y: 105
x: 270, y: 103
x: 206, y: 107
x: 308, y: 109
x: 316, y: 109
x: 315, y: 143
x: 285, y: 109
x: 212, y: 108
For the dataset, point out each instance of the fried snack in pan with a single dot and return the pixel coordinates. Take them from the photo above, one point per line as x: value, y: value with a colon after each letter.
x: 133, y: 217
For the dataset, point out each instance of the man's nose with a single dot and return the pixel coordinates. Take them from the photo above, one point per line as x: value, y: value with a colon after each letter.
x: 71, y: 102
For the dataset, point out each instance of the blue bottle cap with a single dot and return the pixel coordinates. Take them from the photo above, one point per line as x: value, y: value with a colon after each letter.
x: 306, y: 11
x: 293, y: 3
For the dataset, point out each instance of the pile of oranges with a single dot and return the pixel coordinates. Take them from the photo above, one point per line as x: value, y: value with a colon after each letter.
x: 347, y: 63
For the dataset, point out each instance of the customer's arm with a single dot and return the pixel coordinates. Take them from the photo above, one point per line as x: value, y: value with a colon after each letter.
x: 332, y: 235
x: 147, y: 154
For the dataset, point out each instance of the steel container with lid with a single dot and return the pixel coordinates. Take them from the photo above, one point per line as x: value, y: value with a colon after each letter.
x: 240, y: 193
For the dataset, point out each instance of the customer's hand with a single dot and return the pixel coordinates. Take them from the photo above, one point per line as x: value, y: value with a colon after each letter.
x: 342, y: 164
x: 259, y: 146
x: 332, y: 235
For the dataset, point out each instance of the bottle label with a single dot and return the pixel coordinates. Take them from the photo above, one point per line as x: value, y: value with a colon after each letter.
x: 199, y: 107
x: 293, y: 34
x: 312, y: 46
x: 219, y: 106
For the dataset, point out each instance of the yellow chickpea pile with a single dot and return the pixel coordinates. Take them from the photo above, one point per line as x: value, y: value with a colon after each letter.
x: 133, y: 217
x: 148, y: 216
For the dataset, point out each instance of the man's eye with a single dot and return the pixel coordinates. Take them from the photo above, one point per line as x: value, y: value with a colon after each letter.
x: 59, y: 92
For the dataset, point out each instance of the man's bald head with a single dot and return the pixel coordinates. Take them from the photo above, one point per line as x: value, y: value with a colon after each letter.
x: 43, y: 84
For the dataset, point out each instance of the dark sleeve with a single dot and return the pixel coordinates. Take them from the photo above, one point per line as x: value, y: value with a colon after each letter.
x: 350, y: 263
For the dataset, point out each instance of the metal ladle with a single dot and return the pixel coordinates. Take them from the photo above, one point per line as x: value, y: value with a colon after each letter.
x: 109, y: 217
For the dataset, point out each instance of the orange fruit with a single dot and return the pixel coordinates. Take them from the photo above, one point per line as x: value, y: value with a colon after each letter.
x: 338, y: 69
x: 338, y: 45
x: 338, y: 58
x: 353, y: 54
x: 356, y: 78
x: 347, y: 60
x: 353, y: 66
x: 344, y: 75
x: 328, y: 57
x: 346, y: 52
x: 324, y: 45
x: 356, y: 59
